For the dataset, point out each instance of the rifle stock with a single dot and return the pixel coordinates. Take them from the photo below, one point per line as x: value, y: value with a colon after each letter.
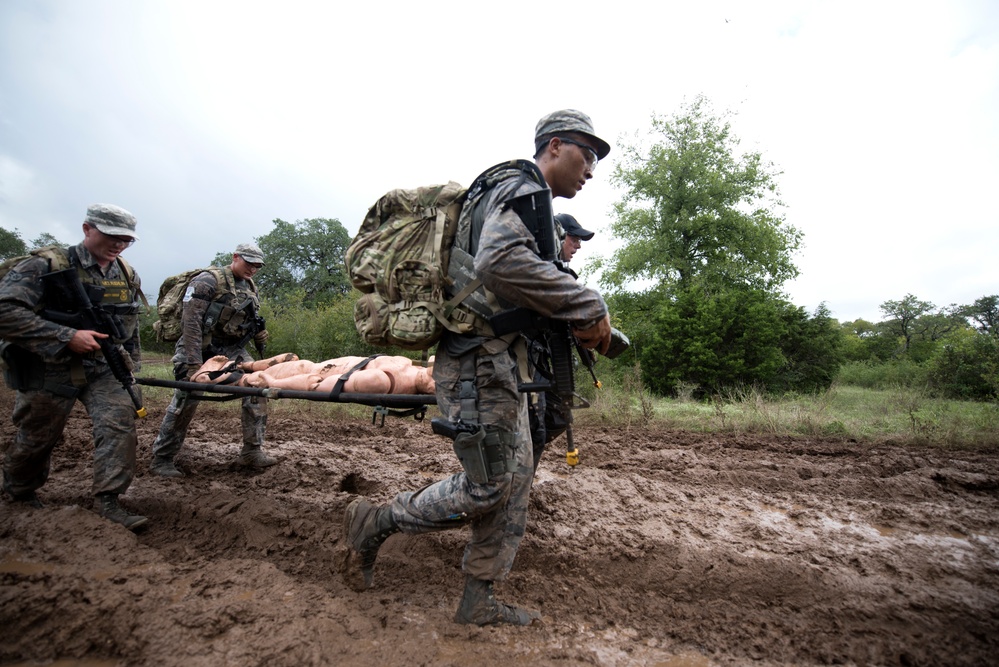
x: 94, y: 318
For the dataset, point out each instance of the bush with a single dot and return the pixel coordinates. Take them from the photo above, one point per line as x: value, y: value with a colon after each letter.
x: 887, y: 375
x: 966, y: 368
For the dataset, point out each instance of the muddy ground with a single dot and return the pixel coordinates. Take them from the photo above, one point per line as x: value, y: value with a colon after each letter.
x: 661, y: 548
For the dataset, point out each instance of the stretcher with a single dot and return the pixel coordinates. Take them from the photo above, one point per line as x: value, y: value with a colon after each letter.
x: 394, y: 405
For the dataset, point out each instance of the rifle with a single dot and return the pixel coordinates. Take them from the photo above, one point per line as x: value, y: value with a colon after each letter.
x: 535, y: 210
x: 254, y: 325
x: 89, y: 316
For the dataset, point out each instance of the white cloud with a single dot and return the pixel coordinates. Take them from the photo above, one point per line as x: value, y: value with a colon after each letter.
x: 210, y: 119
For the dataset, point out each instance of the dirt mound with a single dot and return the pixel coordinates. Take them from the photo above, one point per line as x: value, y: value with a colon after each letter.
x: 660, y: 548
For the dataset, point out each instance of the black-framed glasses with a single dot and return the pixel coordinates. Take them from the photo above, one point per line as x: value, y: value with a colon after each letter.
x: 588, y: 149
x: 120, y: 240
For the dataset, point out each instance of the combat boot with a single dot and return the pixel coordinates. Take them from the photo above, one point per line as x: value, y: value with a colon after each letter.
x: 479, y: 607
x: 28, y: 498
x: 253, y: 456
x: 365, y: 527
x: 164, y: 468
x: 107, y: 506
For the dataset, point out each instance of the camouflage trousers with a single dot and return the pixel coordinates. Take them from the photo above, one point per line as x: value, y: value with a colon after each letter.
x: 495, y: 511
x: 180, y: 414
x: 40, y: 417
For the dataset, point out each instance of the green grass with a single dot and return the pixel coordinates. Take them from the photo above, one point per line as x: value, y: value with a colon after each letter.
x: 844, y: 411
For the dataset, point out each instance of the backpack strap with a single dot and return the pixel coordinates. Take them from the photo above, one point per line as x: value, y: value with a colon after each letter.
x: 73, y: 259
x: 129, y: 273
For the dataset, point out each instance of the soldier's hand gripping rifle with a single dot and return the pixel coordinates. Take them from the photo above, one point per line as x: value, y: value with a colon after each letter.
x: 89, y: 316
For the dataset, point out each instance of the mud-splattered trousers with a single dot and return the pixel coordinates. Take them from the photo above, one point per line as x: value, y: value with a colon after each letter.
x: 496, y: 511
x: 194, y: 347
x: 183, y: 405
x: 41, y: 415
x: 506, y: 260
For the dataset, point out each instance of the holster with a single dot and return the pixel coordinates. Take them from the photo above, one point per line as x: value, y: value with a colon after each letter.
x: 480, y: 449
x: 22, y: 370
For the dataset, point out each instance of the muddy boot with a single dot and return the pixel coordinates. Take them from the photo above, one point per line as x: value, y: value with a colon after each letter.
x: 164, y: 468
x: 27, y: 498
x: 365, y: 527
x: 107, y: 506
x: 254, y: 457
x: 479, y: 607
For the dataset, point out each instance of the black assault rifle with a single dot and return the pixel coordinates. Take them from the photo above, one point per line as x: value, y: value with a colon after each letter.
x: 89, y: 316
x: 535, y: 210
x: 253, y: 327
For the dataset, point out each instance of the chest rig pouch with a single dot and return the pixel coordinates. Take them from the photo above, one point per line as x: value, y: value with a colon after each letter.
x: 233, y: 309
x: 481, y: 449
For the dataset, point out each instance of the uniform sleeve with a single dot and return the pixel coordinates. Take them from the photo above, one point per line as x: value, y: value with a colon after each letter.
x: 197, y: 298
x: 508, y: 264
x: 21, y: 292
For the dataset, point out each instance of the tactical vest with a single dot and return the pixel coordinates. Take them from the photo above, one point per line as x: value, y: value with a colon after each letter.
x: 235, y: 305
x: 461, y: 270
x: 117, y: 295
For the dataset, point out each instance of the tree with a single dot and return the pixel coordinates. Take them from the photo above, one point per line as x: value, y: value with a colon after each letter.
x: 304, y: 261
x: 11, y: 244
x: 696, y: 210
x: 702, y: 226
x: 46, y: 239
x: 739, y: 336
x: 901, y: 318
x: 984, y: 313
x: 814, y: 349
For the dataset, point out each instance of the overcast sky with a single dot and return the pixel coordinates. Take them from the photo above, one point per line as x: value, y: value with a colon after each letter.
x: 208, y: 120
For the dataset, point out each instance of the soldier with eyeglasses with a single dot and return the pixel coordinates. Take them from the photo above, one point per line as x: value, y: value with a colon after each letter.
x: 52, y: 361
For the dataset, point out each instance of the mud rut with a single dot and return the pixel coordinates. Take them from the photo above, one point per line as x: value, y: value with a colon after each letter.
x: 660, y: 548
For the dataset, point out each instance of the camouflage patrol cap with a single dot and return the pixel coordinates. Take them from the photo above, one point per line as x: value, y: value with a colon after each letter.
x: 112, y: 220
x: 570, y: 120
x: 250, y: 253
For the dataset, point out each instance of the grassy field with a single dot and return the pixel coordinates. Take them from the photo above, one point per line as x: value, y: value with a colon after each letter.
x: 845, y: 411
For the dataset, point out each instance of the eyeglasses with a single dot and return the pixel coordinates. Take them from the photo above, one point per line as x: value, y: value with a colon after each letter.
x: 589, y: 149
x: 120, y: 240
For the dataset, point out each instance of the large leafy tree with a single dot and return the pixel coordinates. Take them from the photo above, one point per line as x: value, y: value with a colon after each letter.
x: 304, y: 262
x: 705, y: 237
x: 695, y: 208
x: 984, y: 313
x: 11, y: 244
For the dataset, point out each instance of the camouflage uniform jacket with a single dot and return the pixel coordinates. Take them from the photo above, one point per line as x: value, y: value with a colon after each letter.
x: 229, y: 308
x: 507, y: 261
x: 23, y: 297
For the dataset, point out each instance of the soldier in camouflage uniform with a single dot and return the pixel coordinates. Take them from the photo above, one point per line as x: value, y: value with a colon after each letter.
x: 506, y: 259
x: 213, y: 320
x: 53, y: 364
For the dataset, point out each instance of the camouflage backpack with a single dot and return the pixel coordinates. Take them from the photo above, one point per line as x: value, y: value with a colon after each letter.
x: 399, y: 260
x: 170, y: 302
x: 55, y: 254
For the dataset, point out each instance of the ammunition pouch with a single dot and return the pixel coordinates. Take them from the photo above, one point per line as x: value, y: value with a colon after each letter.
x: 22, y: 370
x: 482, y: 450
